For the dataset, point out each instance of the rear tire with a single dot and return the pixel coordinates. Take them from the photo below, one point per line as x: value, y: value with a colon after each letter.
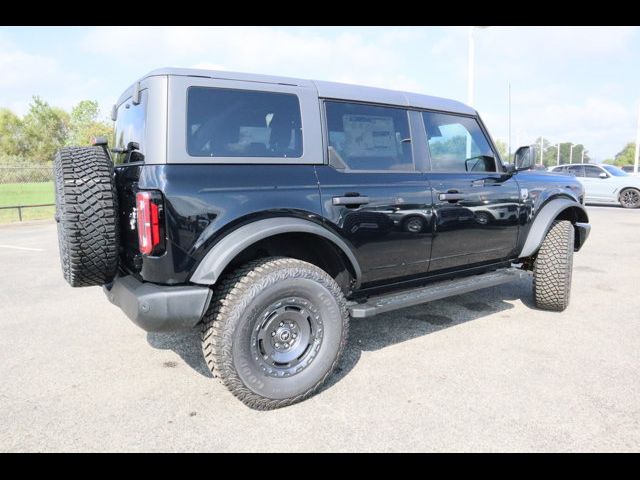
x: 553, y: 267
x: 275, y: 331
x: 86, y: 212
x: 629, y: 198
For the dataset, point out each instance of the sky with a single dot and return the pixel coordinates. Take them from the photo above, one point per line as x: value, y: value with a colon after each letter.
x: 569, y: 84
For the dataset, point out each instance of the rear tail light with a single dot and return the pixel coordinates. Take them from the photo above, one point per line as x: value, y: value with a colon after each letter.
x: 150, y: 231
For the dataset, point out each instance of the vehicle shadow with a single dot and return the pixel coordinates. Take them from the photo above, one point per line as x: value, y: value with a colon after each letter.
x: 186, y: 344
x: 371, y: 334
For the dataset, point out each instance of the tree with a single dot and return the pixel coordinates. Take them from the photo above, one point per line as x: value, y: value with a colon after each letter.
x: 626, y: 155
x: 84, y: 124
x: 550, y: 154
x: 45, y: 130
x: 11, y: 134
x: 502, y: 151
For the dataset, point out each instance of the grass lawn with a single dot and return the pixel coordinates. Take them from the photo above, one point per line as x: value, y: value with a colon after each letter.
x: 26, y: 194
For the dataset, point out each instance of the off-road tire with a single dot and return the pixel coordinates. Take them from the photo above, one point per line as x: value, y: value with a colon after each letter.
x: 629, y: 198
x: 236, y: 312
x: 86, y: 212
x: 553, y: 267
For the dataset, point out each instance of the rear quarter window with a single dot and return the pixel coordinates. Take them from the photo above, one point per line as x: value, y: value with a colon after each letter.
x: 131, y: 123
x: 225, y: 122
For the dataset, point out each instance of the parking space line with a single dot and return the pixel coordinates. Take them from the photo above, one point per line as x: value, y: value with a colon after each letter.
x: 23, y: 248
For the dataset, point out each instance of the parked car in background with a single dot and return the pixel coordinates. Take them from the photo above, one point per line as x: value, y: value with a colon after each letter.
x: 605, y: 183
x: 629, y: 169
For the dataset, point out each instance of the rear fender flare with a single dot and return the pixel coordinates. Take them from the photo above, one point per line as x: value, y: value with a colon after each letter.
x: 223, y: 252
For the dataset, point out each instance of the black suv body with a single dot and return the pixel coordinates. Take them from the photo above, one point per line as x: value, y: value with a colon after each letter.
x: 396, y: 198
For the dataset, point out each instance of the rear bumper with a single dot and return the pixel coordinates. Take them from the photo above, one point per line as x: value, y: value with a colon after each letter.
x: 582, y: 232
x: 157, y: 308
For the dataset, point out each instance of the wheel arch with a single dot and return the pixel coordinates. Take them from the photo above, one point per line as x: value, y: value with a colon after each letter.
x: 552, y: 210
x: 278, y: 236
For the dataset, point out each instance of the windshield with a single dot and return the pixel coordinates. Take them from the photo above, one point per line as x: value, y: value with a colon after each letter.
x: 615, y: 171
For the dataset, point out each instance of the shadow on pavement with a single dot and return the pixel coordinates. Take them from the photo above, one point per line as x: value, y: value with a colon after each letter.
x: 381, y: 331
x: 186, y: 344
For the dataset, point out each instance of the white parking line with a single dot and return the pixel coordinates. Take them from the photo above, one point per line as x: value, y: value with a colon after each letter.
x: 23, y: 248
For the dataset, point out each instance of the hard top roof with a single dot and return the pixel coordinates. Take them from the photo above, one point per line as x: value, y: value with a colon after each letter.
x: 335, y: 90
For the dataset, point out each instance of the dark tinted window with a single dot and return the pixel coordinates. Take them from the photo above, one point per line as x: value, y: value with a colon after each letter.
x: 243, y: 123
x: 457, y: 144
x: 367, y: 137
x: 592, y: 172
x: 618, y: 172
x: 130, y: 127
x: 576, y: 170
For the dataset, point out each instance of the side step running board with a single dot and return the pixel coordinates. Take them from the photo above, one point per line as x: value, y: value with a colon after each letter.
x: 435, y: 291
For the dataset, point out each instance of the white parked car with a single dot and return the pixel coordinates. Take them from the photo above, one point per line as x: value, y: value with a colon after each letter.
x: 604, y: 183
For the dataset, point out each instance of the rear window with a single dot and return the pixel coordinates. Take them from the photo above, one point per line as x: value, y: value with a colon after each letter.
x: 243, y: 123
x: 130, y: 127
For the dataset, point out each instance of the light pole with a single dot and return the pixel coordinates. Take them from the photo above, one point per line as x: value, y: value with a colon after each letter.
x: 571, y: 153
x: 471, y: 65
x: 558, y: 160
x: 541, y: 148
x: 635, y: 159
x: 470, y: 76
x: 582, y: 159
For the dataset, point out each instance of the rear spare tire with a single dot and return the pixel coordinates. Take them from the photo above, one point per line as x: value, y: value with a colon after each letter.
x: 86, y: 212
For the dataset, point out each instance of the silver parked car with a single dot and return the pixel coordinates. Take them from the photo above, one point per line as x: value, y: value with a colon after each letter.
x: 605, y: 183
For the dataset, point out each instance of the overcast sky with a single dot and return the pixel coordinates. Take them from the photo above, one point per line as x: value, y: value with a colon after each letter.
x: 578, y: 84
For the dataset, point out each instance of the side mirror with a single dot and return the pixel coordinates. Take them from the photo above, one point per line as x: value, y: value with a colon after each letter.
x: 603, y: 175
x: 524, y: 158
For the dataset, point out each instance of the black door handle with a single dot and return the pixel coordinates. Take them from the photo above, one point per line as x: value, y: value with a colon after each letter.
x: 351, y: 200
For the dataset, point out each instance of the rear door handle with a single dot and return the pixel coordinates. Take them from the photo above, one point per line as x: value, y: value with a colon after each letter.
x: 452, y: 197
x: 352, y: 201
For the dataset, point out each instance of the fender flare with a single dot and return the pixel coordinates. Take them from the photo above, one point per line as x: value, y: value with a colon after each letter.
x: 543, y: 220
x: 223, y: 252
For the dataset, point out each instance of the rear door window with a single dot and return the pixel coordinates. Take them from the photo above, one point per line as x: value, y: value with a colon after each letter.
x: 368, y: 137
x: 576, y: 170
x: 592, y: 171
x: 131, y: 127
x: 243, y: 123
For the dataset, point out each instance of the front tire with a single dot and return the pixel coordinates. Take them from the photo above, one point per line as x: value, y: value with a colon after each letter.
x: 629, y: 198
x: 275, y: 331
x: 553, y: 267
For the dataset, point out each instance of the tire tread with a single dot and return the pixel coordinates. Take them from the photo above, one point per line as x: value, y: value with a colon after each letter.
x: 553, y: 267
x: 86, y: 210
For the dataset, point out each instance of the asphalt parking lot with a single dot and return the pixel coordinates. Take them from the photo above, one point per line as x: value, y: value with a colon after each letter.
x: 479, y: 372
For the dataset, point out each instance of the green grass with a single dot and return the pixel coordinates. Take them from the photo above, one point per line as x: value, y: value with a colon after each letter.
x: 26, y: 194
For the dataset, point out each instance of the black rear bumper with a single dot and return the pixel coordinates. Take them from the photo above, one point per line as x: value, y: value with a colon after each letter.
x: 157, y: 308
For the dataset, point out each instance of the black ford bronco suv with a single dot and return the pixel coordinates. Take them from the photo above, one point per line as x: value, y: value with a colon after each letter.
x: 270, y: 210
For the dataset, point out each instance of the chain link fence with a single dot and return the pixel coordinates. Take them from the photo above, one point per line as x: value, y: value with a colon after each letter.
x: 26, y: 192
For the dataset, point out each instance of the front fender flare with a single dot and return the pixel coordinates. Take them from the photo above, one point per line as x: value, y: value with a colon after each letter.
x: 543, y: 220
x: 223, y: 252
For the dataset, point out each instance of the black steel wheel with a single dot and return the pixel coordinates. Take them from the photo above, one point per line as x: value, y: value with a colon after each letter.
x: 288, y: 336
x: 275, y: 331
